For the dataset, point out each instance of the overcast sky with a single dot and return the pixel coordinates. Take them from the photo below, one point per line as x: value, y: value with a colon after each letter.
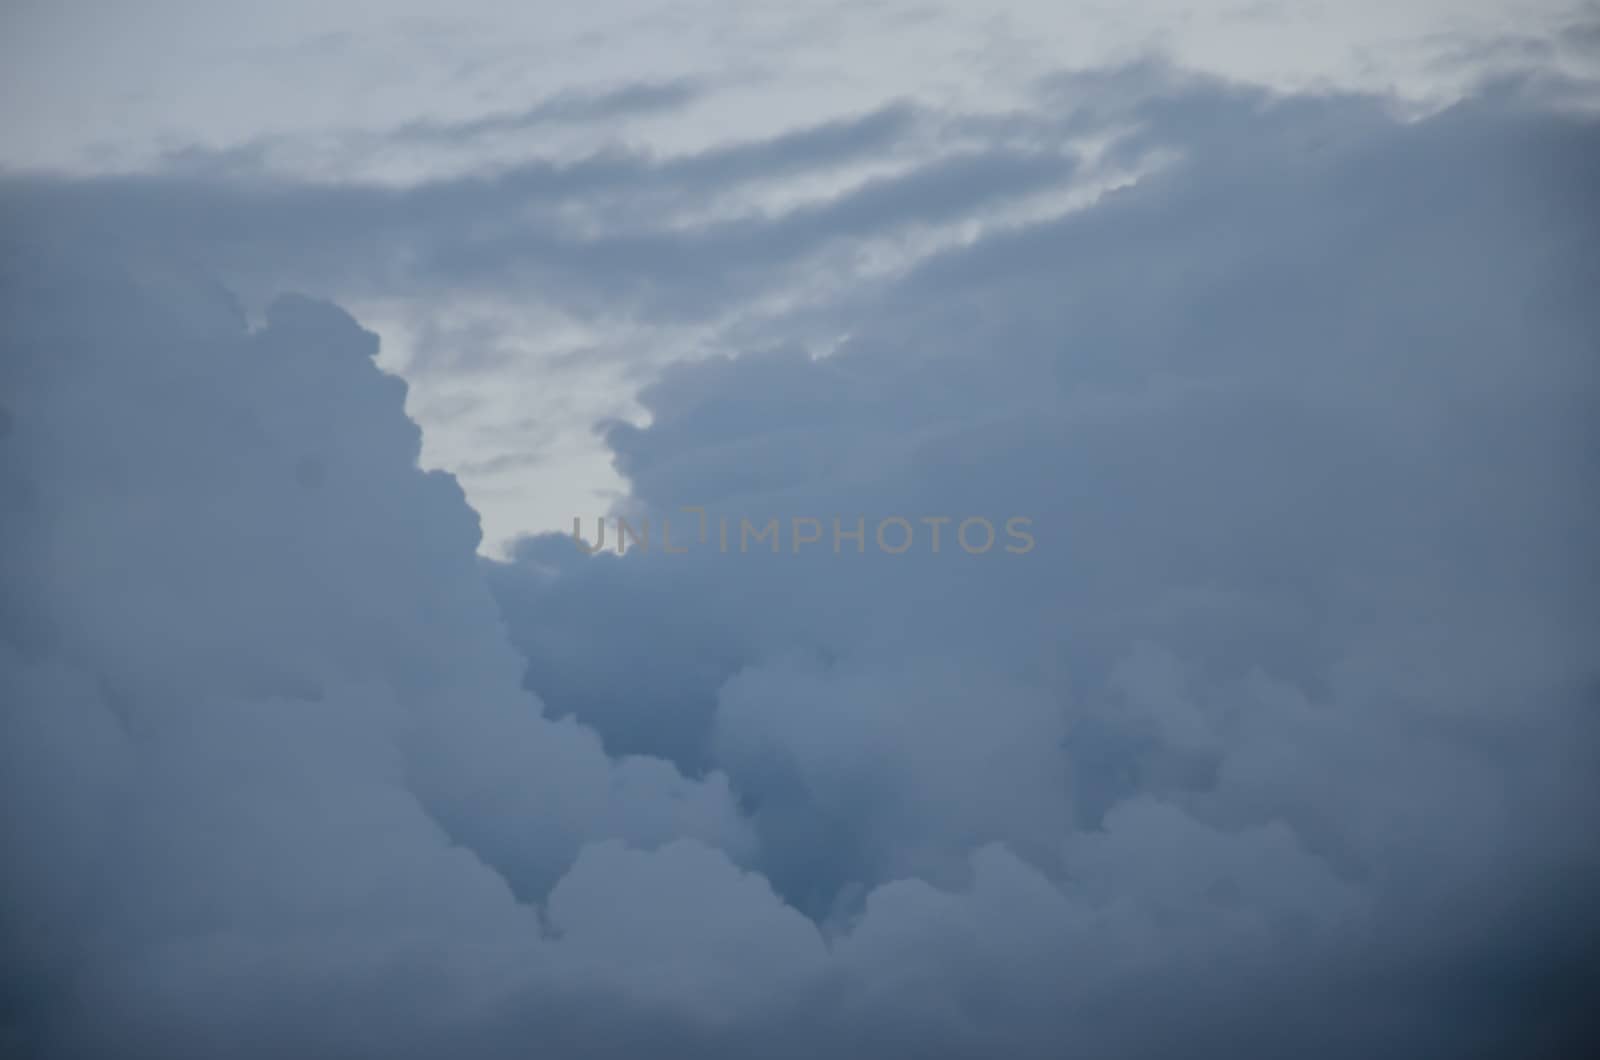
x: 388, y: 94
x: 1131, y: 475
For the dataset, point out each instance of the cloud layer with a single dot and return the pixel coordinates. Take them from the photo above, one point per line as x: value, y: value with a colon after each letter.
x: 1280, y: 739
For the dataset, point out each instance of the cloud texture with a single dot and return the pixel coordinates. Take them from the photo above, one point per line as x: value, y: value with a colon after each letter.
x: 1280, y: 740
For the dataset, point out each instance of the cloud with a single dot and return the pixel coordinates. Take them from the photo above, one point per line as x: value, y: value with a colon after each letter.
x: 607, y: 107
x: 589, y: 227
x: 259, y: 701
x: 1299, y: 424
x: 1279, y: 740
x: 644, y: 97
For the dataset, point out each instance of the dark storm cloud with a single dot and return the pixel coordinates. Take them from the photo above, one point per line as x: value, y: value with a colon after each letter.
x: 1281, y: 740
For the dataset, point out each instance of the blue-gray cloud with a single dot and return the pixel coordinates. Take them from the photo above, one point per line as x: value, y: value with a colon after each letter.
x: 1280, y: 740
x: 563, y: 108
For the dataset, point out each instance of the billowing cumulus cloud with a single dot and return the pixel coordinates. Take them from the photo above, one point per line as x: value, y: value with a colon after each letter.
x: 1278, y: 738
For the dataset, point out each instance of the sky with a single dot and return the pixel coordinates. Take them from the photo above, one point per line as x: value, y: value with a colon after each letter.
x: 1109, y: 495
x: 388, y: 95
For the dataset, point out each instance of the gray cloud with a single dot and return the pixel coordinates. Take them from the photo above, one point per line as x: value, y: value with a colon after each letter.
x: 586, y: 232
x: 1311, y: 499
x: 608, y: 106
x: 1280, y: 740
x: 564, y: 108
